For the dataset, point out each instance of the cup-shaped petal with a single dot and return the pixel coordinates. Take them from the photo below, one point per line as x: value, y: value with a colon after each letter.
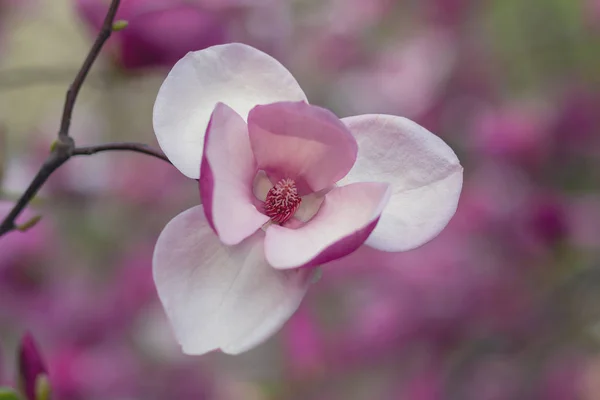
x: 344, y: 221
x: 235, y: 74
x: 228, y: 170
x: 424, y: 172
x: 302, y: 142
x: 221, y: 297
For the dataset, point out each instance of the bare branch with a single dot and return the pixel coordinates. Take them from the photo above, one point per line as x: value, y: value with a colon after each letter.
x: 63, y: 148
x: 136, y: 147
x: 53, y: 162
x: 73, y: 91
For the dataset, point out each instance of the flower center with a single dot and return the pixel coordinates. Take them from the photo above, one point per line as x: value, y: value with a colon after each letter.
x: 282, y: 201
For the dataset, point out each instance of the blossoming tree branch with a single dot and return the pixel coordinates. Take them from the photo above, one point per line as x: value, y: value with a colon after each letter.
x: 285, y: 187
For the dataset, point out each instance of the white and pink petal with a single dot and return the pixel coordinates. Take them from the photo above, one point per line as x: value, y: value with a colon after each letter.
x: 221, y: 297
x: 235, y: 74
x: 306, y: 143
x: 226, y: 179
x: 423, y: 171
x: 344, y: 221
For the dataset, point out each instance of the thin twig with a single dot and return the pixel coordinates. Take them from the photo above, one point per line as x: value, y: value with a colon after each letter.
x: 63, y: 148
x: 50, y: 165
x: 136, y: 147
x: 105, y: 32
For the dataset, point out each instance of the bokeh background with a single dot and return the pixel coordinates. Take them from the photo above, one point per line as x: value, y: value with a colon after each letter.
x: 503, y: 305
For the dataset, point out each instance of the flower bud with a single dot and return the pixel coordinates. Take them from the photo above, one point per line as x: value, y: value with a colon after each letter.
x: 32, y: 370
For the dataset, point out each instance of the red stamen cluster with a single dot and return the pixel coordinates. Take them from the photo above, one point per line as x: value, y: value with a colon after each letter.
x: 282, y: 201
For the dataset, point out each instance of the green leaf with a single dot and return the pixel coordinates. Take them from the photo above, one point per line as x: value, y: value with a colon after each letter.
x: 8, y: 394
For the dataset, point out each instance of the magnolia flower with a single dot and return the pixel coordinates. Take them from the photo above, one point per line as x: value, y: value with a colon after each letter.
x: 285, y: 187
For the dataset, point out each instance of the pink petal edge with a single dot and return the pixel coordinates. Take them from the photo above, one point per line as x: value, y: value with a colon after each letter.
x: 345, y: 220
x: 226, y: 177
x: 423, y: 171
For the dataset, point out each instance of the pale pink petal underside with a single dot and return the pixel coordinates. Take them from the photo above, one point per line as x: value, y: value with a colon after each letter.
x: 221, y: 297
x: 423, y: 171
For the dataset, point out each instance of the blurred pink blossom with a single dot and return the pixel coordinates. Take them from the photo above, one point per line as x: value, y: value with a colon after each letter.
x: 73, y: 312
x: 322, y: 51
x: 160, y: 32
x: 518, y: 133
x: 132, y: 288
x: 449, y: 13
x: 146, y: 181
x: 545, y: 221
x: 405, y: 79
x: 563, y: 378
x: 304, y: 345
x: 107, y: 370
x: 83, y: 312
x: 496, y: 377
x: 426, y: 384
x: 23, y: 272
x: 330, y: 40
x: 575, y: 125
x: 343, y: 16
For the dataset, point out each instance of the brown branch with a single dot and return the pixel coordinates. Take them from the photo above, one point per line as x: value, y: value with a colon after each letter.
x: 63, y: 148
x: 54, y: 161
x: 136, y: 147
x: 58, y: 158
x: 105, y: 32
